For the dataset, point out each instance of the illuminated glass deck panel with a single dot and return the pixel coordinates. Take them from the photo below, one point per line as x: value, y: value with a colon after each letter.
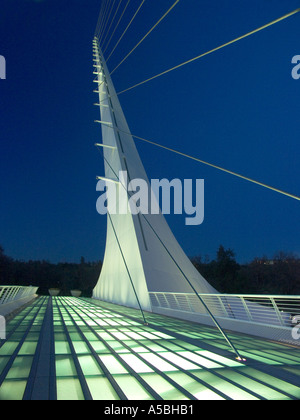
x: 82, y: 349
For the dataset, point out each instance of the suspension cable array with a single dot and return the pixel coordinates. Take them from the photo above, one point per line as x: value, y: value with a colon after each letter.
x: 103, y: 22
x: 112, y: 12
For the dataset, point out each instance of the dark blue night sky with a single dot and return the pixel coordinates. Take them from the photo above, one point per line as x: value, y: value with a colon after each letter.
x: 237, y: 108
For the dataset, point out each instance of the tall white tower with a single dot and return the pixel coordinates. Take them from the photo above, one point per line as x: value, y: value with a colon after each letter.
x: 142, y: 254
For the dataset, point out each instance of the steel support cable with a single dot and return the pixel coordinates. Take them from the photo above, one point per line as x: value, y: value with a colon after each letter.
x: 112, y: 21
x: 213, y: 50
x: 101, y: 17
x: 223, y: 333
x: 231, y: 345
x: 229, y: 342
x: 295, y: 197
x: 127, y: 269
x: 121, y: 37
x: 107, y: 20
x: 121, y: 17
x: 147, y: 34
x: 99, y: 20
x: 103, y: 23
x: 120, y: 248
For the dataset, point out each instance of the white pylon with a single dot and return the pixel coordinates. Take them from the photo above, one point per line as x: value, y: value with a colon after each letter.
x: 142, y: 254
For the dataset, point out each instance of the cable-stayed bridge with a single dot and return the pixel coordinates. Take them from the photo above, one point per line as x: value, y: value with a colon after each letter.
x: 155, y: 329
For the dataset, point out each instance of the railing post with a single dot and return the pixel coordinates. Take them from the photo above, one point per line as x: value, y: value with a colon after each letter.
x: 177, y: 303
x: 247, y: 310
x: 220, y: 299
x: 277, y: 311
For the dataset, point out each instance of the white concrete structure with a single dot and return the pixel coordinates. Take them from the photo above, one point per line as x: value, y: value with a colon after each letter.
x: 142, y: 255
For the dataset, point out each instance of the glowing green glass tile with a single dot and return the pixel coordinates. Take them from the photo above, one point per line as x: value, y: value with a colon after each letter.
x: 276, y: 382
x: 101, y: 389
x: 194, y: 387
x: 133, y: 323
x: 232, y: 391
x: 154, y: 347
x: 12, y: 390
x: 62, y: 347
x: 91, y: 323
x: 123, y: 323
x: 277, y: 357
x: 162, y: 387
x: 171, y: 345
x: 291, y: 356
x: 69, y: 389
x: 140, y: 349
x: 35, y: 329
x: 80, y: 323
x: 81, y: 347
x: 260, y: 358
x: 20, y: 368
x: 75, y: 336
x: 260, y: 389
x: 112, y: 364
x: 120, y: 335
x: 101, y: 322
x: 118, y: 347
x: 3, y: 362
x: 105, y: 336
x: 136, y: 363
x: 206, y: 394
x: 179, y: 361
x: 89, y: 365
x: 65, y: 366
x: 202, y: 361
x: 132, y: 388
x: 158, y: 362
x: 28, y: 348
x: 8, y: 348
x: 224, y: 360
x: 90, y: 336
x: 99, y: 347
x: 58, y: 336
x: 163, y: 335
x: 219, y: 345
x: 186, y: 345
x: 133, y: 335
x: 111, y: 322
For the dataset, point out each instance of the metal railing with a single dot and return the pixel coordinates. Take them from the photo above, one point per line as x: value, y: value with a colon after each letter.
x: 9, y: 294
x: 259, y: 309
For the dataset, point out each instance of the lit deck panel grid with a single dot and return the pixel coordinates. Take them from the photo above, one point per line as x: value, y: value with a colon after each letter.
x: 81, y: 349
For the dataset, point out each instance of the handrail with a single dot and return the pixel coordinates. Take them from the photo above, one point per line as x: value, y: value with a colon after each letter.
x: 274, y: 310
x: 13, y: 293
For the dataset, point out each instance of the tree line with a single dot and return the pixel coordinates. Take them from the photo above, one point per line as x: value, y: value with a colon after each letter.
x: 45, y: 275
x: 278, y: 276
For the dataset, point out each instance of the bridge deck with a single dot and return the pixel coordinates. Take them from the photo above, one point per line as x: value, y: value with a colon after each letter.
x: 82, y: 349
